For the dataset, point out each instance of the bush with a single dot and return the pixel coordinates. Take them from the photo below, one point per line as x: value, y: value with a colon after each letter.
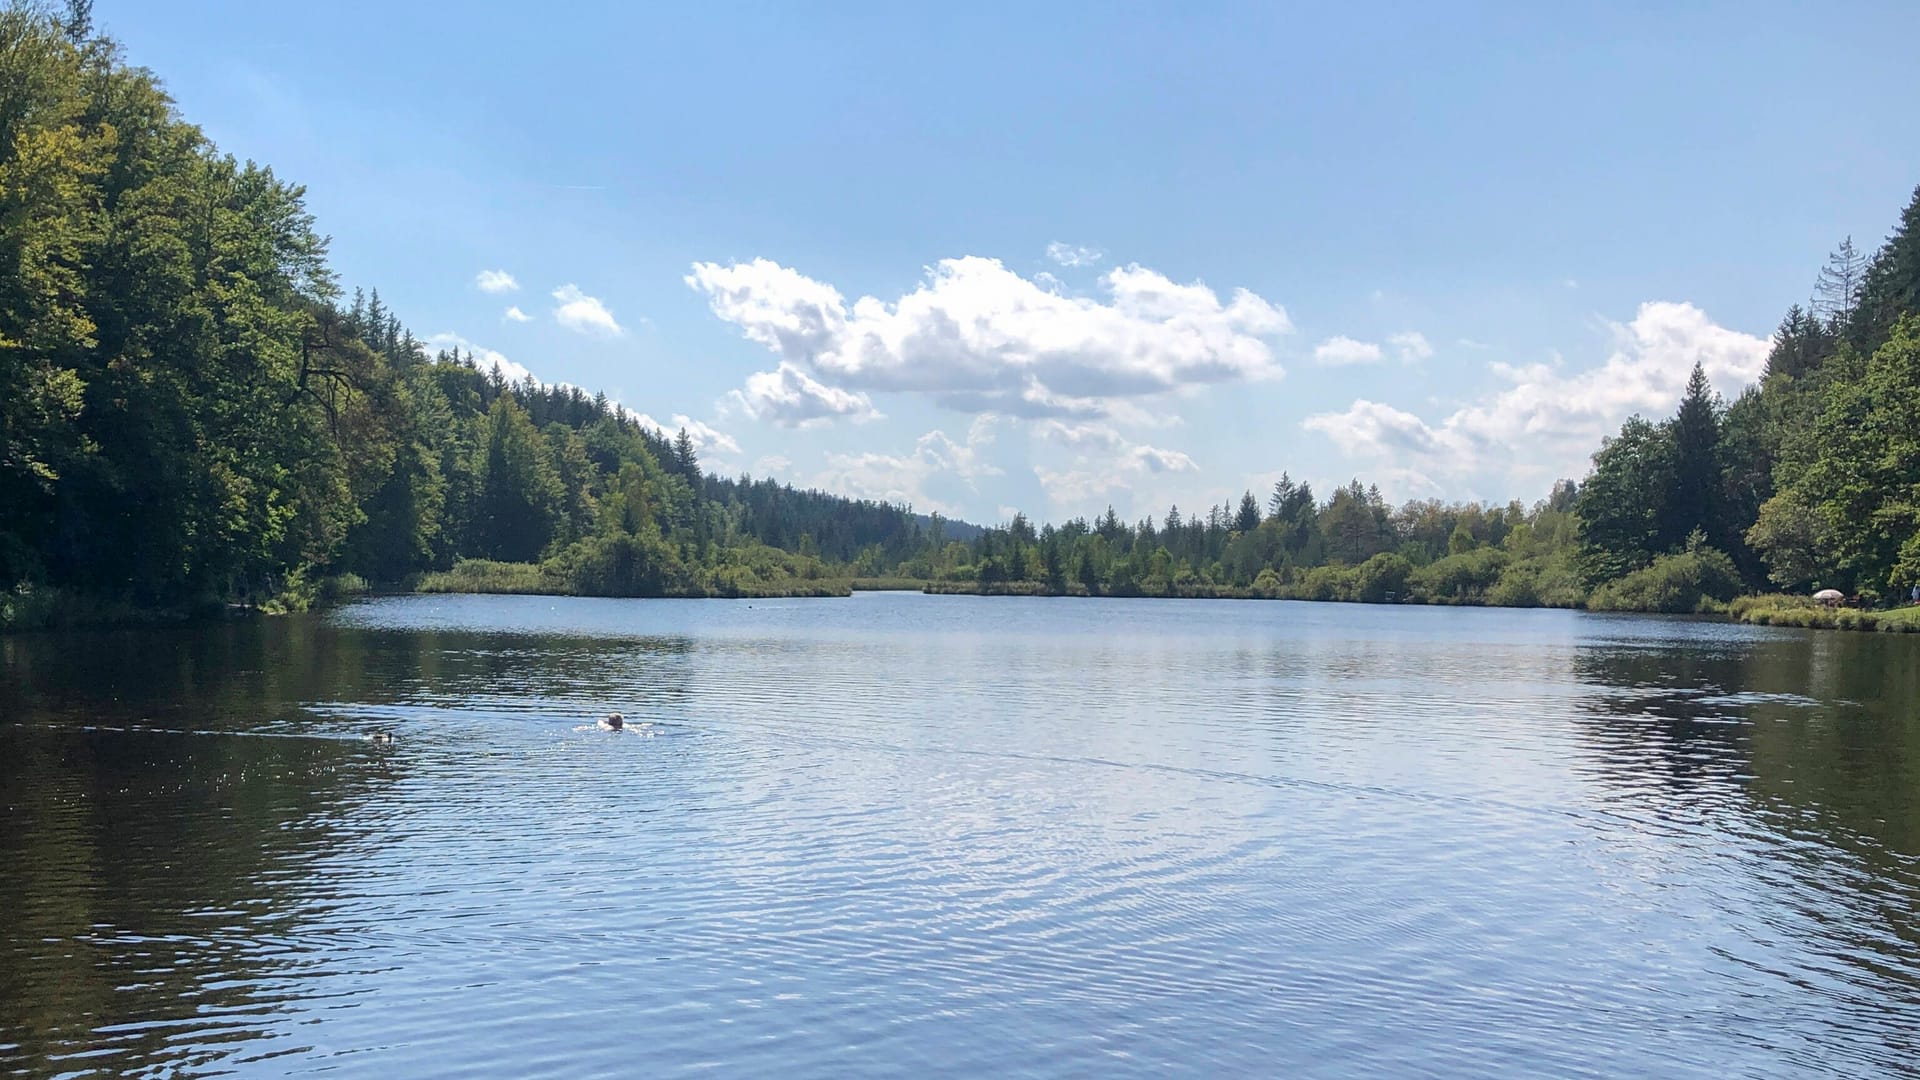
x: 1537, y: 583
x: 622, y: 564
x: 1268, y: 585
x: 1382, y: 578
x: 1695, y: 581
x: 1461, y: 579
x: 1329, y: 583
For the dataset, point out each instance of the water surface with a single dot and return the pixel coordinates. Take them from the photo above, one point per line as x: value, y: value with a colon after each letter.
x: 900, y: 833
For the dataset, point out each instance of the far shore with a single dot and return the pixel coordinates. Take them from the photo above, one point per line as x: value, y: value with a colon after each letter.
x: 59, y: 610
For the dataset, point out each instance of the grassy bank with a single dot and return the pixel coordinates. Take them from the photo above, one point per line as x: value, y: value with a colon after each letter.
x: 1656, y: 594
x: 889, y: 584
x: 487, y: 576
x: 1777, y: 610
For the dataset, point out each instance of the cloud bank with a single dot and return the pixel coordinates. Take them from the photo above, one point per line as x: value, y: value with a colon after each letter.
x: 1545, y: 422
x: 977, y: 337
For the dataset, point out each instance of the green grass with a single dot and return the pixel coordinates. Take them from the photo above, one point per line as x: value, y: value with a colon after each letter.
x: 1802, y: 611
x: 488, y: 576
x: 534, y: 579
x: 889, y: 584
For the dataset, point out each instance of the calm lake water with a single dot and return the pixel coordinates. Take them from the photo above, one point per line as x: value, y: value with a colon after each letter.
x: 898, y: 834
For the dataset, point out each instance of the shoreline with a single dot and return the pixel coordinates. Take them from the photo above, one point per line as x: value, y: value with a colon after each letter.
x: 57, y: 611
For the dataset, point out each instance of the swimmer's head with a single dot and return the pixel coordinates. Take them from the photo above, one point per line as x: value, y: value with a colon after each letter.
x: 614, y: 721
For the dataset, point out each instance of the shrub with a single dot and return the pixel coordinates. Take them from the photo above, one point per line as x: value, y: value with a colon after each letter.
x: 1464, y: 578
x: 1699, y: 580
x: 1382, y: 578
x: 1329, y: 583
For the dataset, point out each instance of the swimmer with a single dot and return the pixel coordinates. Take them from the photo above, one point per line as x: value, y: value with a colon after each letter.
x: 614, y: 722
x: 382, y: 738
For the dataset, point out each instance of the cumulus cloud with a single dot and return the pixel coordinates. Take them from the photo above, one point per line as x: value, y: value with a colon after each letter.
x: 586, y: 314
x: 790, y: 397
x: 495, y: 281
x: 706, y: 438
x: 514, y: 314
x: 1545, y: 421
x: 1071, y: 255
x: 978, y: 337
x: 1102, y: 461
x: 484, y: 358
x: 1411, y: 346
x: 1342, y: 351
x: 930, y: 478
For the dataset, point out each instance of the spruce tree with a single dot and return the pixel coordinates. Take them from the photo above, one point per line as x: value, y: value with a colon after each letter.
x: 1696, y: 501
x: 1892, y: 284
x: 685, y: 461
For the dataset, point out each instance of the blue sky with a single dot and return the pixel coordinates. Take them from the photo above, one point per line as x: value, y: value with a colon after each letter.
x: 1003, y: 258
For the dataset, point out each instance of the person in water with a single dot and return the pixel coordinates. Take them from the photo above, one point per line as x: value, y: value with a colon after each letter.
x: 614, y: 722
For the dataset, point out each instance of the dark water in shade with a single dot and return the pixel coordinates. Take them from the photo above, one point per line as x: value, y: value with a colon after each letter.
x: 899, y: 834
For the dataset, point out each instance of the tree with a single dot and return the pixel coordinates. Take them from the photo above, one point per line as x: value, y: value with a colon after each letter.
x: 1891, y: 286
x: 1696, y: 499
x: 1837, y: 289
x: 1248, y: 517
x: 519, y: 490
x: 1800, y: 344
x: 685, y: 461
x: 1622, y: 505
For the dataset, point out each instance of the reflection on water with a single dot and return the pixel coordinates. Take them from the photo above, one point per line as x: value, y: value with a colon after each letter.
x: 899, y: 833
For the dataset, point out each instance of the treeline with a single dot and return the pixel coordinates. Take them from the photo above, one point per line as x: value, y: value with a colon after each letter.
x: 192, y: 413
x: 1351, y: 546
x: 1809, y: 480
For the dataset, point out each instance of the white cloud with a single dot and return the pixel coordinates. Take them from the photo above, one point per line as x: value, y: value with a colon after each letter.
x: 1341, y: 351
x: 586, y: 314
x: 772, y: 463
x: 495, y: 281
x: 790, y: 397
x: 1071, y: 255
x: 514, y: 314
x: 1103, y: 461
x: 483, y: 357
x: 1412, y: 346
x: 706, y: 438
x: 978, y: 337
x: 930, y: 479
x: 1546, y: 422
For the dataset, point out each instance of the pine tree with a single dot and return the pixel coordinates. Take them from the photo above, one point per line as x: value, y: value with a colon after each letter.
x: 685, y: 461
x: 1696, y: 502
x: 1837, y: 288
x: 1891, y: 287
x: 1248, y: 519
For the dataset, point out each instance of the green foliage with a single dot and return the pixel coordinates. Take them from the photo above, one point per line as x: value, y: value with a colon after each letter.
x: 1703, y: 579
x: 1465, y: 578
x: 488, y: 576
x: 1801, y: 611
x: 1382, y: 578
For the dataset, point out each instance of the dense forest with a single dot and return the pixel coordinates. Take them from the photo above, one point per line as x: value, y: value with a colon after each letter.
x: 194, y: 413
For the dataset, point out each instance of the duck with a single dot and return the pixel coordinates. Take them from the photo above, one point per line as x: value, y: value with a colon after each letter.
x: 613, y: 722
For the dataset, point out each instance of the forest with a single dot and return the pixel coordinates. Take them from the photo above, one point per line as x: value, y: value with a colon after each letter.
x: 195, y: 415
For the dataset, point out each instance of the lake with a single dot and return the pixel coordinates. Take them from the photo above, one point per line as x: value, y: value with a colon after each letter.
x: 898, y: 834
